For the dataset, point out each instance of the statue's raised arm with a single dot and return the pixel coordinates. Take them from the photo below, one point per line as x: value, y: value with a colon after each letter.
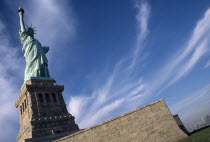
x: 22, y: 25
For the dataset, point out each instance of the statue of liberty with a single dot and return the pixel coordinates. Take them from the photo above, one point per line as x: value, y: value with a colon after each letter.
x: 34, y: 52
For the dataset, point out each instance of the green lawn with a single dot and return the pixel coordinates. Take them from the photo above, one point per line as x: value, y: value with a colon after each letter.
x: 201, y: 136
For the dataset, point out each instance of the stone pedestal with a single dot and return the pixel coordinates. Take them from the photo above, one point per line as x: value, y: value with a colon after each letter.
x: 43, y: 113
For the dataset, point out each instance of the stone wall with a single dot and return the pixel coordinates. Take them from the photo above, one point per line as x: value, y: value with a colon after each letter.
x: 151, y: 123
x: 180, y: 124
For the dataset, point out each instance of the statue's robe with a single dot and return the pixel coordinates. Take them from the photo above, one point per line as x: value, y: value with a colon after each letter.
x: 36, y: 60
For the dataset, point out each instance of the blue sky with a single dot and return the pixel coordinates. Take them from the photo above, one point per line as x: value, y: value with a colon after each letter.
x: 112, y: 56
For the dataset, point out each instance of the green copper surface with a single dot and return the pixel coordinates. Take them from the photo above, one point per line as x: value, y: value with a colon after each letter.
x: 34, y: 52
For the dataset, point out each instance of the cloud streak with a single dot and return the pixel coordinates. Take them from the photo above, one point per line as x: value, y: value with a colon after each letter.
x: 184, y: 60
x: 142, y: 18
x: 119, y: 88
x: 207, y: 64
x: 197, y: 44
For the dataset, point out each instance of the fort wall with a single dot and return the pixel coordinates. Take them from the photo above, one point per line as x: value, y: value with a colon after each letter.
x: 151, y: 123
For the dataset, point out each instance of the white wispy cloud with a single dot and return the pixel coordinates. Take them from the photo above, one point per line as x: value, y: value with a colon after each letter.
x: 185, y: 59
x: 142, y: 18
x: 121, y: 85
x: 75, y: 105
x: 197, y: 44
x: 198, y: 53
x: 101, y: 113
x: 207, y: 64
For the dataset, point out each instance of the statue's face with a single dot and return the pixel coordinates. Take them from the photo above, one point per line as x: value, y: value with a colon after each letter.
x: 30, y: 31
